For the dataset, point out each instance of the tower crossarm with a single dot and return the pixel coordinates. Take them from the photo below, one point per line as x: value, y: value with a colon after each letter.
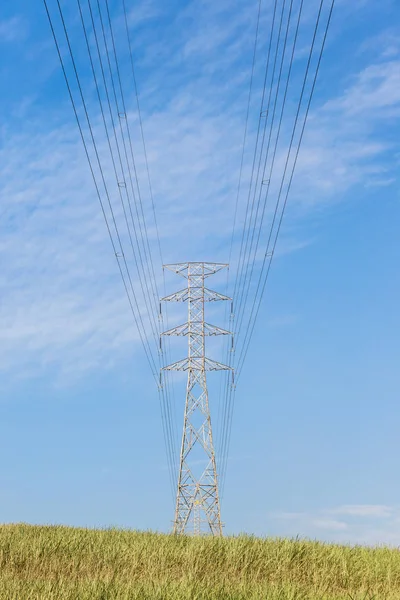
x: 180, y: 296
x: 183, y: 295
x: 205, y: 269
x: 199, y: 328
x: 197, y: 364
x: 211, y: 296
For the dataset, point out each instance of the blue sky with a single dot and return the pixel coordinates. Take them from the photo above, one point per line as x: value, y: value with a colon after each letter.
x: 314, y: 441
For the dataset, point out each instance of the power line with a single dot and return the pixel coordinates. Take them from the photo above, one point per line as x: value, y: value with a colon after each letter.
x: 146, y: 244
x: 255, y: 209
x: 169, y: 383
x: 121, y: 183
x: 245, y: 129
x: 128, y: 36
x: 145, y: 240
x: 166, y: 417
x: 223, y: 448
x: 262, y: 115
x: 141, y: 126
x: 267, y: 253
x: 220, y: 407
x: 118, y: 254
x: 123, y: 118
x: 246, y: 230
x: 269, y: 177
x: 145, y: 237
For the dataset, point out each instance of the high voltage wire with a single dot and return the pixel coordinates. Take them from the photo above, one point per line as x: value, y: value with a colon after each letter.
x: 227, y: 360
x: 250, y: 238
x: 143, y: 232
x: 256, y: 147
x: 223, y: 458
x: 121, y: 183
x: 169, y: 383
x: 223, y: 448
x: 264, y: 113
x: 252, y: 235
x: 123, y: 118
x: 166, y: 390
x: 153, y: 278
x: 245, y: 129
x: 165, y: 358
x: 270, y: 253
x: 141, y: 124
x: 118, y: 248
x: 118, y: 254
x: 241, y: 310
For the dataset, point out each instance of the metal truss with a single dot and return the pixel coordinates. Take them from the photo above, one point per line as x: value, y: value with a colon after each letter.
x: 197, y: 502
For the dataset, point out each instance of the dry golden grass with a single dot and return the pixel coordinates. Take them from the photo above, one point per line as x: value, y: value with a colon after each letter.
x: 81, y: 564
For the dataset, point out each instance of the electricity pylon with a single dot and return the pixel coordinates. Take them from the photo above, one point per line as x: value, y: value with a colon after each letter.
x: 197, y: 502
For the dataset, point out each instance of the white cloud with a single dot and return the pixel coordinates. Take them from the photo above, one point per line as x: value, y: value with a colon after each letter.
x: 62, y: 301
x: 385, y: 44
x: 349, y: 141
x: 142, y: 11
x: 282, y: 320
x: 12, y: 30
x: 364, y: 510
x: 329, y: 524
x: 377, y: 89
x: 371, y: 524
x: 287, y: 516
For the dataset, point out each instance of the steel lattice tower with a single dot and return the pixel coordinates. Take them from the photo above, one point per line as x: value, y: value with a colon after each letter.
x: 197, y: 502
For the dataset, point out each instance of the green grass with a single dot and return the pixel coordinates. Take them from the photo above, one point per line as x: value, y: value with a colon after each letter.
x: 82, y: 564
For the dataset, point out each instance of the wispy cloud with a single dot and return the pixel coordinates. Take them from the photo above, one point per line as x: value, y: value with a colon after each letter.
x: 384, y: 44
x: 329, y: 524
x: 62, y: 300
x: 12, y: 30
x: 364, y: 510
x: 142, y: 11
x: 348, y: 141
x: 358, y: 523
x: 376, y: 88
x: 282, y: 321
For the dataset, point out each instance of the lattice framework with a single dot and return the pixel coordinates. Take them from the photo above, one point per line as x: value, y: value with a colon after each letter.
x: 197, y: 503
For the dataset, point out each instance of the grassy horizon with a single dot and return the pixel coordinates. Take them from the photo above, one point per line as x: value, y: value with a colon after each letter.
x: 57, y: 562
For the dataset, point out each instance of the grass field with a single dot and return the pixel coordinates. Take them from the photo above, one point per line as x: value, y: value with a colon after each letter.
x: 82, y: 564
